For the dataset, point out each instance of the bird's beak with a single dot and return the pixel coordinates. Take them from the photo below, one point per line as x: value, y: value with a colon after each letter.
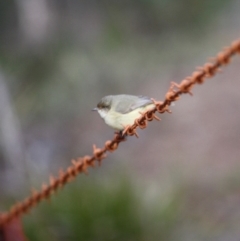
x: 94, y: 109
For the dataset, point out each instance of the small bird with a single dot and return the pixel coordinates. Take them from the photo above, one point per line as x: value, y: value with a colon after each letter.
x: 120, y: 111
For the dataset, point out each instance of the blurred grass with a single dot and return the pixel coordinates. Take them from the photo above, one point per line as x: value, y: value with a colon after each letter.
x: 101, y: 211
x: 115, y: 209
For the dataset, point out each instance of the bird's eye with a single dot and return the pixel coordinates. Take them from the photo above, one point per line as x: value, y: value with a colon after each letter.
x: 102, y: 106
x: 105, y: 106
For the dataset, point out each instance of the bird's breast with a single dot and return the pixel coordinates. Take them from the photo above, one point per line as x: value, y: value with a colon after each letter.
x: 119, y: 121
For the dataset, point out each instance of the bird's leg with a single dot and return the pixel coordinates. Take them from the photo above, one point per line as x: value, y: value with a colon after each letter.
x: 121, y: 134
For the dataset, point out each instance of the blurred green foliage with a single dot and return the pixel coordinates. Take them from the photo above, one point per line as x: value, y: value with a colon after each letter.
x: 101, y: 211
x: 122, y: 17
x: 159, y: 16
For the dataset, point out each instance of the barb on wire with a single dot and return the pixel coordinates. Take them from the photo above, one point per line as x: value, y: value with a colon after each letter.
x: 81, y: 164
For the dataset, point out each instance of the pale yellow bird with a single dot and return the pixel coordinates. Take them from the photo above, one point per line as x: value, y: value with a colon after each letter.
x: 120, y: 111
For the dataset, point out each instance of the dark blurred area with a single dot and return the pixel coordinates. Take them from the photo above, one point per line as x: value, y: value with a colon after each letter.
x: 180, y: 180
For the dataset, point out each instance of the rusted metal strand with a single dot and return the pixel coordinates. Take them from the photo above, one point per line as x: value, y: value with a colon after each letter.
x: 81, y: 164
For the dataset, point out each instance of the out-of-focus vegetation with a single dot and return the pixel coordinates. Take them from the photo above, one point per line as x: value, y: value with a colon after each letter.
x: 116, y: 209
x: 102, y: 211
x: 58, y: 58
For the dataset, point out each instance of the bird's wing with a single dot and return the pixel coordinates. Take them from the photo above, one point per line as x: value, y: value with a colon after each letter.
x: 131, y: 103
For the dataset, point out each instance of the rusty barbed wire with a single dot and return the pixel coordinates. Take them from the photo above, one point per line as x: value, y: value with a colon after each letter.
x: 81, y: 164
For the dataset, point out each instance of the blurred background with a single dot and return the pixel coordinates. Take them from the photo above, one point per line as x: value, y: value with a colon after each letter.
x: 180, y: 180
